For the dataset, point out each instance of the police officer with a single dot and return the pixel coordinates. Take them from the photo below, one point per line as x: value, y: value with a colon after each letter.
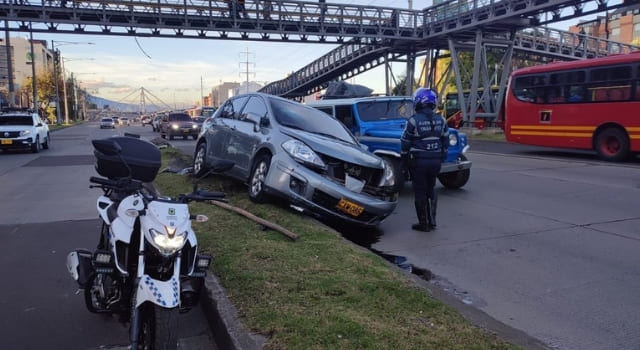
x: 424, y: 148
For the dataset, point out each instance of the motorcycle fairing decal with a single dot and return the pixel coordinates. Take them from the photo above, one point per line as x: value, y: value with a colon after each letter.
x: 161, y: 293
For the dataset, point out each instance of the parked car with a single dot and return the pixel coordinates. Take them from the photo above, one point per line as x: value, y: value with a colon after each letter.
x: 124, y: 121
x: 379, y: 122
x: 178, y: 124
x: 107, y: 123
x: 23, y: 129
x: 285, y: 148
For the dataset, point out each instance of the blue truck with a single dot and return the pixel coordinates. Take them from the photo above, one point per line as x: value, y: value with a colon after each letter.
x: 378, y: 123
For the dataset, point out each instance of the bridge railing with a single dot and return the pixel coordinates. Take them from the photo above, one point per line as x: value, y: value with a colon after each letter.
x: 274, y: 10
x: 564, y: 43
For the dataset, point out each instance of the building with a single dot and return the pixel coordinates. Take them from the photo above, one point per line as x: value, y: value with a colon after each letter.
x: 222, y: 92
x: 21, y: 62
x: 621, y: 25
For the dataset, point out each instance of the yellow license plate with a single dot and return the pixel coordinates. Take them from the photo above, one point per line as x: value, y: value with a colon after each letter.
x: 6, y: 142
x: 350, y: 207
x: 185, y: 131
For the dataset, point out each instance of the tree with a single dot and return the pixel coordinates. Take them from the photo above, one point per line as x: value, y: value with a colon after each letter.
x: 46, y: 91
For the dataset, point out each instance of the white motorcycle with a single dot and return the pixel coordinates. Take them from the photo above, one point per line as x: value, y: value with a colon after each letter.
x: 146, y: 268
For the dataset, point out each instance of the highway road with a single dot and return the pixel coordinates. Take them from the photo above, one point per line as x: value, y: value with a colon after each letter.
x: 542, y: 240
x: 47, y: 211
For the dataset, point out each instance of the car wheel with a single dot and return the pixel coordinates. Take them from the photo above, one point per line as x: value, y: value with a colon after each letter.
x: 257, y: 179
x: 47, y: 142
x: 612, y: 144
x: 455, y: 179
x: 170, y: 137
x: 35, y: 147
x: 200, y: 160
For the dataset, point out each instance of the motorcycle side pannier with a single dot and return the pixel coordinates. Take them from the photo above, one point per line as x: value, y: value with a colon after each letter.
x: 142, y: 156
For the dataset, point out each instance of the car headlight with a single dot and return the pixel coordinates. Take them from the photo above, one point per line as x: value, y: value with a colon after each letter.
x: 388, y: 178
x: 194, y: 126
x: 453, y: 140
x: 175, y: 126
x: 169, y: 242
x: 25, y: 132
x: 303, y: 153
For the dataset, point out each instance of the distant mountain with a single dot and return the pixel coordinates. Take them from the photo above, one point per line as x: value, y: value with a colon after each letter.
x: 103, y: 103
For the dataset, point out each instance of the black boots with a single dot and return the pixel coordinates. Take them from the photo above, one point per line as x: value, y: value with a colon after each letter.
x: 421, y: 213
x: 426, y: 213
x: 432, y: 206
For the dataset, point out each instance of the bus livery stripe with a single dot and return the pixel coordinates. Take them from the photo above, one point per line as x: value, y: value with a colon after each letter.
x: 553, y: 127
x: 552, y: 133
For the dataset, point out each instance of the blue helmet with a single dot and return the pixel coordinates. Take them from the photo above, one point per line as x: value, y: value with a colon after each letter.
x: 424, y: 97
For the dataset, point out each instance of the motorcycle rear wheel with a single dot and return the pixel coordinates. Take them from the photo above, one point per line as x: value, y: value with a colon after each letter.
x: 158, y: 328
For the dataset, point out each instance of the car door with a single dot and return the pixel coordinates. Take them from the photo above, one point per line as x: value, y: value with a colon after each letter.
x: 245, y: 135
x: 231, y: 115
x: 221, y: 126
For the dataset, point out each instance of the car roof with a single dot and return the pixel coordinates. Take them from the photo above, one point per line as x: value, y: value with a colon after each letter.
x: 335, y: 101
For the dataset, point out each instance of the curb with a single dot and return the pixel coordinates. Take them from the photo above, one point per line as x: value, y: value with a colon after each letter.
x: 228, y: 331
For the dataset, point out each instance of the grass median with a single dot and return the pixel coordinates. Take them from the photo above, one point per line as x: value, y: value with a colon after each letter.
x: 319, y: 292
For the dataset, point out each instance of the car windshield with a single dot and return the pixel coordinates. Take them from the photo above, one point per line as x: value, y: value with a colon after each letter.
x: 107, y: 120
x: 385, y: 110
x: 200, y: 119
x: 298, y: 116
x: 180, y: 117
x: 16, y: 120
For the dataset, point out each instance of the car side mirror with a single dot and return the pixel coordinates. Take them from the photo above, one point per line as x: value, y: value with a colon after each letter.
x: 39, y: 124
x: 264, y: 121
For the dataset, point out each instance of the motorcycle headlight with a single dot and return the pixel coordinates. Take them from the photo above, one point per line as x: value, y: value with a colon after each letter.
x: 175, y: 126
x: 453, y: 140
x: 169, y: 242
x: 303, y: 153
x: 25, y: 132
x: 388, y: 178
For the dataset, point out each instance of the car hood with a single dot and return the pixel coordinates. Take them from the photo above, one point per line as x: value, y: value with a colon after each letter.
x: 389, y: 129
x: 351, y: 153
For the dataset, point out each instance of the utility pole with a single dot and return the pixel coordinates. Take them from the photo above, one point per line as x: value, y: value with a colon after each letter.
x: 201, y: 93
x: 33, y: 70
x: 12, y: 98
x: 246, y: 63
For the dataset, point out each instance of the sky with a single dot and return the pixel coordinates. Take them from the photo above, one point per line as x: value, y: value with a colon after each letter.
x: 176, y: 70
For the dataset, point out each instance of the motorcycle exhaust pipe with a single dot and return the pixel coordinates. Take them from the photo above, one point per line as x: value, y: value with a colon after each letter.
x: 79, y: 266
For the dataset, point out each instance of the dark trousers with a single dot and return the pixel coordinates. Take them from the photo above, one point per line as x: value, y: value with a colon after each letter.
x: 424, y: 172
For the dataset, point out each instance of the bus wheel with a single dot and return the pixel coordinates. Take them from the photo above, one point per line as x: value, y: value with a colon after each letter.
x: 612, y: 144
x: 455, y: 179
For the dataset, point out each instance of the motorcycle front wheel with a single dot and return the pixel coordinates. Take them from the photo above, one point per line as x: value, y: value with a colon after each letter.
x: 158, y: 328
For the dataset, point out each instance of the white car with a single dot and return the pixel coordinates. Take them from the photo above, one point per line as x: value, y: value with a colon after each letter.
x: 23, y: 129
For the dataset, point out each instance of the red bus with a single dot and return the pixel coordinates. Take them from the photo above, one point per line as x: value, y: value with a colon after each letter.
x: 587, y: 104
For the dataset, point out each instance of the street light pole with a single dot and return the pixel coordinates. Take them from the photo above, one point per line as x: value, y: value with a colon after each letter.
x: 64, y: 89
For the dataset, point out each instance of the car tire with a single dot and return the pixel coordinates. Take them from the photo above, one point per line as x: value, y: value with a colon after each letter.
x: 200, y: 160
x: 170, y: 137
x: 47, y: 142
x: 259, y: 172
x: 455, y: 180
x: 35, y: 147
